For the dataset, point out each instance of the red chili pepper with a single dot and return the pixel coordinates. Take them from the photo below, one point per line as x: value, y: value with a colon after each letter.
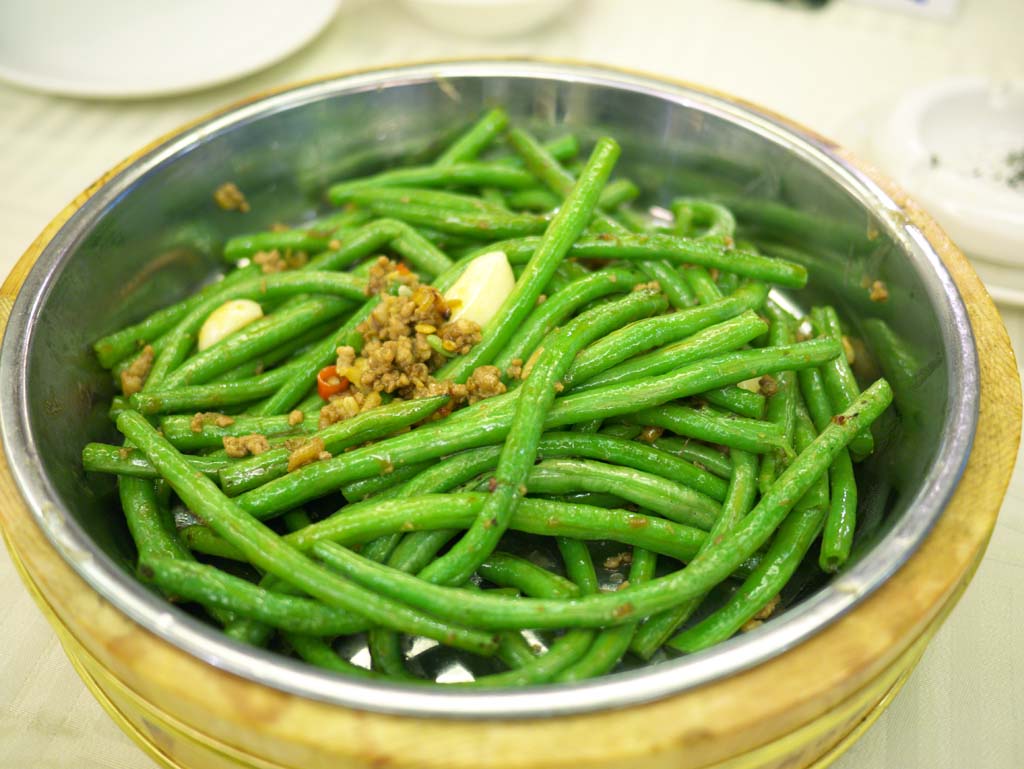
x: 329, y: 382
x: 402, y: 269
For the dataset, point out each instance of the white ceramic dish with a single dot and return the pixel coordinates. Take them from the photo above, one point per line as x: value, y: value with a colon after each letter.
x: 120, y: 49
x: 486, y: 18
x: 957, y: 145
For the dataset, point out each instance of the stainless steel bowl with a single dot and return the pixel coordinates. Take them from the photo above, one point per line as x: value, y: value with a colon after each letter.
x: 149, y: 235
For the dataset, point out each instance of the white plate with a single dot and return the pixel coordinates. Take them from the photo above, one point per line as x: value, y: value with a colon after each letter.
x: 957, y: 146
x: 129, y: 49
x: 947, y: 145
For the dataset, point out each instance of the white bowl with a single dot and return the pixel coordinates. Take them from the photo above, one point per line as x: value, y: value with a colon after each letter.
x: 949, y: 145
x: 486, y: 18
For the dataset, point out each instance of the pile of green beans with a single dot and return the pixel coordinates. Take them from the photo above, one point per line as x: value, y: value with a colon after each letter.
x: 671, y: 446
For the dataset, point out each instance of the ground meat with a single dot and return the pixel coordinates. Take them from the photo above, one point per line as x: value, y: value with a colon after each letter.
x: 385, y: 273
x: 347, y: 405
x: 134, y: 377
x: 230, y: 198
x: 530, y: 362
x: 879, y: 292
x: 270, y: 261
x: 650, y: 434
x: 244, y: 445
x: 274, y: 261
x: 515, y: 369
x: 768, y: 385
x: 459, y: 336
x: 651, y: 286
x: 295, y: 417
x: 306, y: 452
x: 848, y: 350
x: 618, y: 560
x: 209, y: 417
x: 758, y: 619
x: 398, y: 316
x: 397, y: 365
x: 484, y: 382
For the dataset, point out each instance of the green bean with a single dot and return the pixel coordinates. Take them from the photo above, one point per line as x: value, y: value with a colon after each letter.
x: 560, y: 181
x: 702, y: 284
x: 562, y: 148
x: 217, y: 396
x: 428, y: 512
x: 673, y: 500
x: 115, y: 347
x: 369, y: 425
x: 307, y: 240
x: 718, y: 219
x: 462, y: 467
x: 300, y: 344
x: 338, y: 221
x: 689, y: 251
x: 386, y: 654
x: 423, y: 255
x: 566, y: 648
x: 792, y: 541
x: 265, y: 549
x: 782, y: 403
x: 201, y: 539
x: 487, y: 225
x: 369, y: 487
x: 533, y: 199
x: 306, y: 368
x: 837, y: 538
x: 540, y: 163
x: 653, y: 634
x: 630, y: 454
x: 488, y: 422
x: 417, y: 550
x: 647, y: 334
x: 803, y: 434
x: 708, y: 340
x: 612, y: 643
x: 606, y: 609
x: 841, y: 522
x: 212, y: 587
x: 616, y: 193
x: 567, y: 225
x: 679, y: 294
x: 449, y: 175
x: 507, y: 570
x: 737, y: 400
x: 553, y: 312
x: 704, y: 457
x: 708, y: 425
x: 400, y: 197
x: 840, y: 383
x: 536, y: 396
x: 476, y: 139
x: 179, y: 432
x: 151, y: 526
x: 315, y: 652
x: 152, y: 530
x: 624, y: 430
x: 127, y: 461
x: 208, y: 397
x: 265, y: 288
x: 354, y: 245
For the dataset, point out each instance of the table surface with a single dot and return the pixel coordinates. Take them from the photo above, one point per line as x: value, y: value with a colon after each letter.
x: 964, y: 704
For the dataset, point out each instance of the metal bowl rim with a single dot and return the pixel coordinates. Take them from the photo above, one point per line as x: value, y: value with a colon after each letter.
x: 620, y: 690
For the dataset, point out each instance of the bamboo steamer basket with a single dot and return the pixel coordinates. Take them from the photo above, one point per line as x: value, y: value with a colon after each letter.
x: 802, y: 707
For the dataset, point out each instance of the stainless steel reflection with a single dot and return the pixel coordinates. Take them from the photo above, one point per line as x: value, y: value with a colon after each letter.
x: 150, y: 234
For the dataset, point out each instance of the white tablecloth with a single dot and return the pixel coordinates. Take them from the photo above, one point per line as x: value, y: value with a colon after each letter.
x: 964, y: 706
